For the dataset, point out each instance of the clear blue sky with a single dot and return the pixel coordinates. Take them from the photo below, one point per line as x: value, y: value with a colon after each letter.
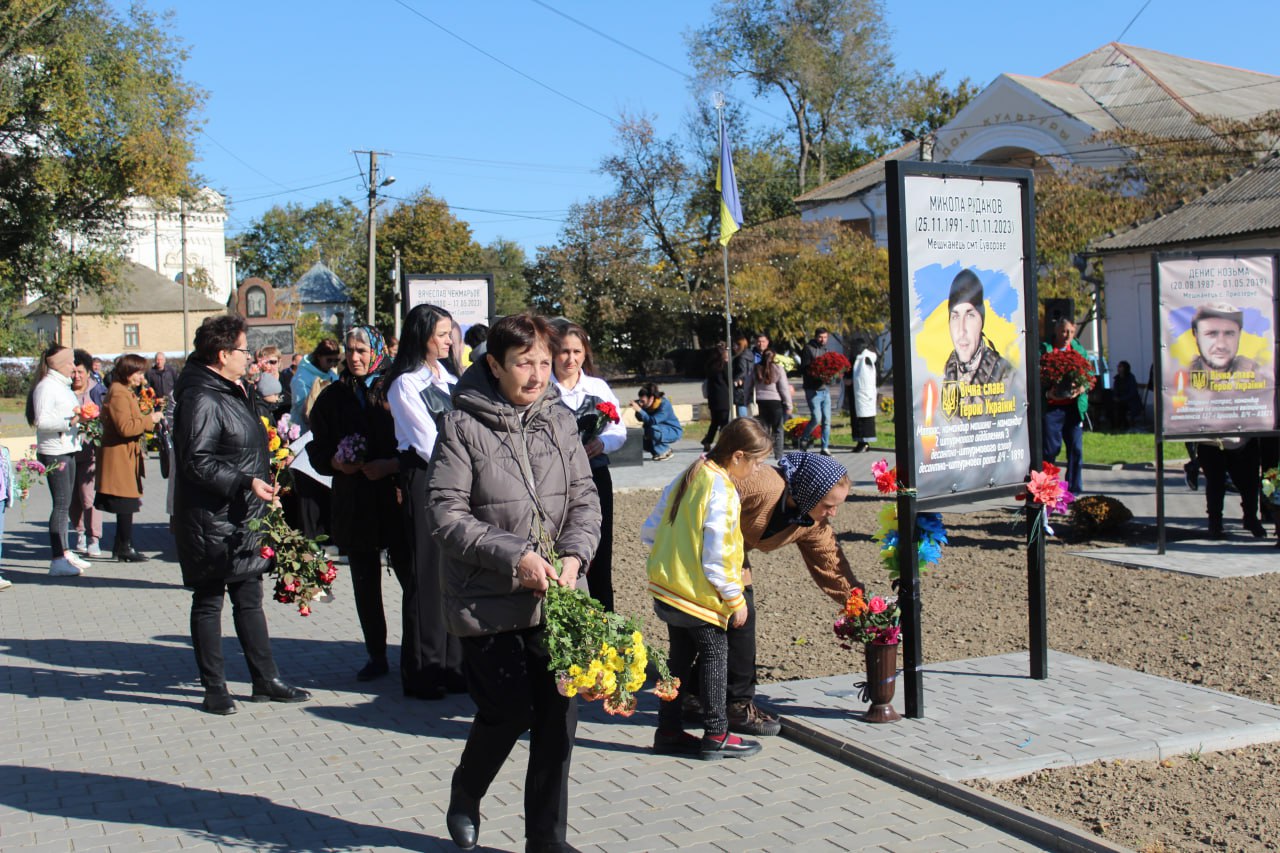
x: 294, y: 87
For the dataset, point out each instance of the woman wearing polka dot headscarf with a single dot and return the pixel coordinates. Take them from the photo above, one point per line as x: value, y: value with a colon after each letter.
x: 365, y: 516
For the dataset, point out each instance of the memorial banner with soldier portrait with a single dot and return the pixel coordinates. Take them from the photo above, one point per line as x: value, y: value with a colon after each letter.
x: 967, y: 303
x: 1217, y: 337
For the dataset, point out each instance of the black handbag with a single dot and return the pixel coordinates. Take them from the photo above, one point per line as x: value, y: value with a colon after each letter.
x: 164, y: 446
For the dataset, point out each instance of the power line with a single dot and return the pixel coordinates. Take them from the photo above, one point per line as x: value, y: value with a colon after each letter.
x: 1131, y: 20
x: 239, y: 159
x: 686, y: 75
x: 513, y: 164
x: 505, y: 64
x: 293, y: 190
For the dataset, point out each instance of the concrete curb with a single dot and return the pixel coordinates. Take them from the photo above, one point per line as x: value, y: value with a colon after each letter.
x: 1049, y: 833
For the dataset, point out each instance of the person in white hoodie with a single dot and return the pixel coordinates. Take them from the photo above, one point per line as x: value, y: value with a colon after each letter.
x: 51, y: 409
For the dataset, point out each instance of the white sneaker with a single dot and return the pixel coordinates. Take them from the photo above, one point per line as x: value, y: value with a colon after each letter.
x: 81, y: 542
x: 4, y: 584
x: 93, y: 550
x: 79, y: 562
x: 62, y: 568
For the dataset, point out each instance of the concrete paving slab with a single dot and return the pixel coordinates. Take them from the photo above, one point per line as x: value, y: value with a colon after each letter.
x: 104, y: 744
x: 986, y: 718
x: 1235, y: 557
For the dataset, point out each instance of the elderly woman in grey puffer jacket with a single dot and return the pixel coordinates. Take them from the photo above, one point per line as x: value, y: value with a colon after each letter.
x: 508, y: 480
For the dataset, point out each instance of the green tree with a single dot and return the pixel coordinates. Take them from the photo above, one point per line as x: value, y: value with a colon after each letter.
x: 1075, y: 206
x: 282, y: 244
x: 828, y: 59
x: 93, y: 110
x: 505, y: 261
x: 430, y: 239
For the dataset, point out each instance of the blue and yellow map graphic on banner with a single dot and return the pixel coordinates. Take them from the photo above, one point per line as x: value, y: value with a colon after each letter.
x: 1004, y: 316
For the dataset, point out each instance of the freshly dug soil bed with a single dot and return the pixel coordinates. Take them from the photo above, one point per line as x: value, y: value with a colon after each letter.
x: 1217, y: 633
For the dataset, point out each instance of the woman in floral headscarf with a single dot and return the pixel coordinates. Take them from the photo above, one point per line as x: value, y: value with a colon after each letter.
x: 353, y: 439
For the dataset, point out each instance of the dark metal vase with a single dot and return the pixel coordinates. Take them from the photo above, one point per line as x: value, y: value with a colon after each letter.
x: 882, y: 674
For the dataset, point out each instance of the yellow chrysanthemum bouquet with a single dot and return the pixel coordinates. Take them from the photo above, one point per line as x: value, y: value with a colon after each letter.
x: 600, y: 655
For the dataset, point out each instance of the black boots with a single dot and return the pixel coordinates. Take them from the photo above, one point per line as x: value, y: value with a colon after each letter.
x: 124, y: 553
x: 276, y: 690
x: 375, y: 668
x: 218, y: 702
x: 463, y: 818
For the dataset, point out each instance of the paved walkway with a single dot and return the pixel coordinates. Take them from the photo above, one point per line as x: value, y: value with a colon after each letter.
x: 103, y: 747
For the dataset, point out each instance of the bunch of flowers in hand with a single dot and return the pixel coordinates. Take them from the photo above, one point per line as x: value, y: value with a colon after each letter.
x: 931, y: 532
x: 869, y: 621
x: 30, y: 471
x: 302, y: 571
x: 287, y: 430
x: 599, y: 655
x: 1064, y: 372
x: 593, y: 423
x: 828, y: 367
x: 276, y: 446
x: 90, y: 423
x: 352, y: 450
x: 147, y: 399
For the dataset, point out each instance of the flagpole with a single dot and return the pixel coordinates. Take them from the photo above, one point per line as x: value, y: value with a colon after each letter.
x: 724, y: 251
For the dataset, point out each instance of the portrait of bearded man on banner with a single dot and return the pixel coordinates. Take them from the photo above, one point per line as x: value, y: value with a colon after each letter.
x: 973, y: 361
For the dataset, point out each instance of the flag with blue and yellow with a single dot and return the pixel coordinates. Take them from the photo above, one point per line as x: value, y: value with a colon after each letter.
x: 727, y: 185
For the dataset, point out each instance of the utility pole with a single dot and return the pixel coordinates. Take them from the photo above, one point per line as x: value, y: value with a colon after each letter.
x: 374, y: 184
x: 182, y: 230
x: 398, y: 302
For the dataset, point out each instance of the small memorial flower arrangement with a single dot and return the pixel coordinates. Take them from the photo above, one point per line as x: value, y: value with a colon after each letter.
x: 932, y: 534
x: 869, y: 621
x: 800, y: 431
x: 1270, y: 487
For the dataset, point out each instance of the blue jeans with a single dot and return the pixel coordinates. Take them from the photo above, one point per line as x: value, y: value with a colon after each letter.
x: 820, y: 411
x: 1062, y: 425
x: 653, y: 444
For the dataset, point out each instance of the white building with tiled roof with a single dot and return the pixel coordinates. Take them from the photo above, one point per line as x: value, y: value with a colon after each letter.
x: 1242, y: 215
x: 1035, y: 121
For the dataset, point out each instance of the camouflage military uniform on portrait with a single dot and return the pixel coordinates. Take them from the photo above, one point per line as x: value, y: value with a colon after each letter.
x: 987, y: 366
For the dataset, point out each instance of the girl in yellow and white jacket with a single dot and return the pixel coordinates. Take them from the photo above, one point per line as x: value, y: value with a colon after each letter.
x: 695, y: 577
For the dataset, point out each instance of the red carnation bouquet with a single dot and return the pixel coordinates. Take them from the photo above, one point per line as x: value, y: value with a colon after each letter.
x: 828, y: 367
x: 1064, y: 371
x: 593, y: 423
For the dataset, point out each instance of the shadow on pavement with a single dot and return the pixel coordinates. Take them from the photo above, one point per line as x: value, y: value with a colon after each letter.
x: 228, y: 820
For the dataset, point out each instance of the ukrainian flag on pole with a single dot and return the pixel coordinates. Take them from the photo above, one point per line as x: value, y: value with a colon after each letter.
x: 727, y: 185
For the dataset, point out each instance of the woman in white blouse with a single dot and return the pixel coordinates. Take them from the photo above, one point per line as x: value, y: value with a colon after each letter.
x: 582, y: 392
x: 51, y: 409
x: 419, y: 392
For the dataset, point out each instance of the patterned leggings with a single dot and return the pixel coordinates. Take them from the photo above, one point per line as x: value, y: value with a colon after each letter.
x: 709, y: 644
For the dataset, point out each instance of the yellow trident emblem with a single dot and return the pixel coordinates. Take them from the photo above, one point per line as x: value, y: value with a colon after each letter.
x: 1199, y: 379
x: 950, y: 399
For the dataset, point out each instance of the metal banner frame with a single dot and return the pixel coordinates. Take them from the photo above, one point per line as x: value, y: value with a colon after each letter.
x: 1157, y: 362
x: 904, y: 420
